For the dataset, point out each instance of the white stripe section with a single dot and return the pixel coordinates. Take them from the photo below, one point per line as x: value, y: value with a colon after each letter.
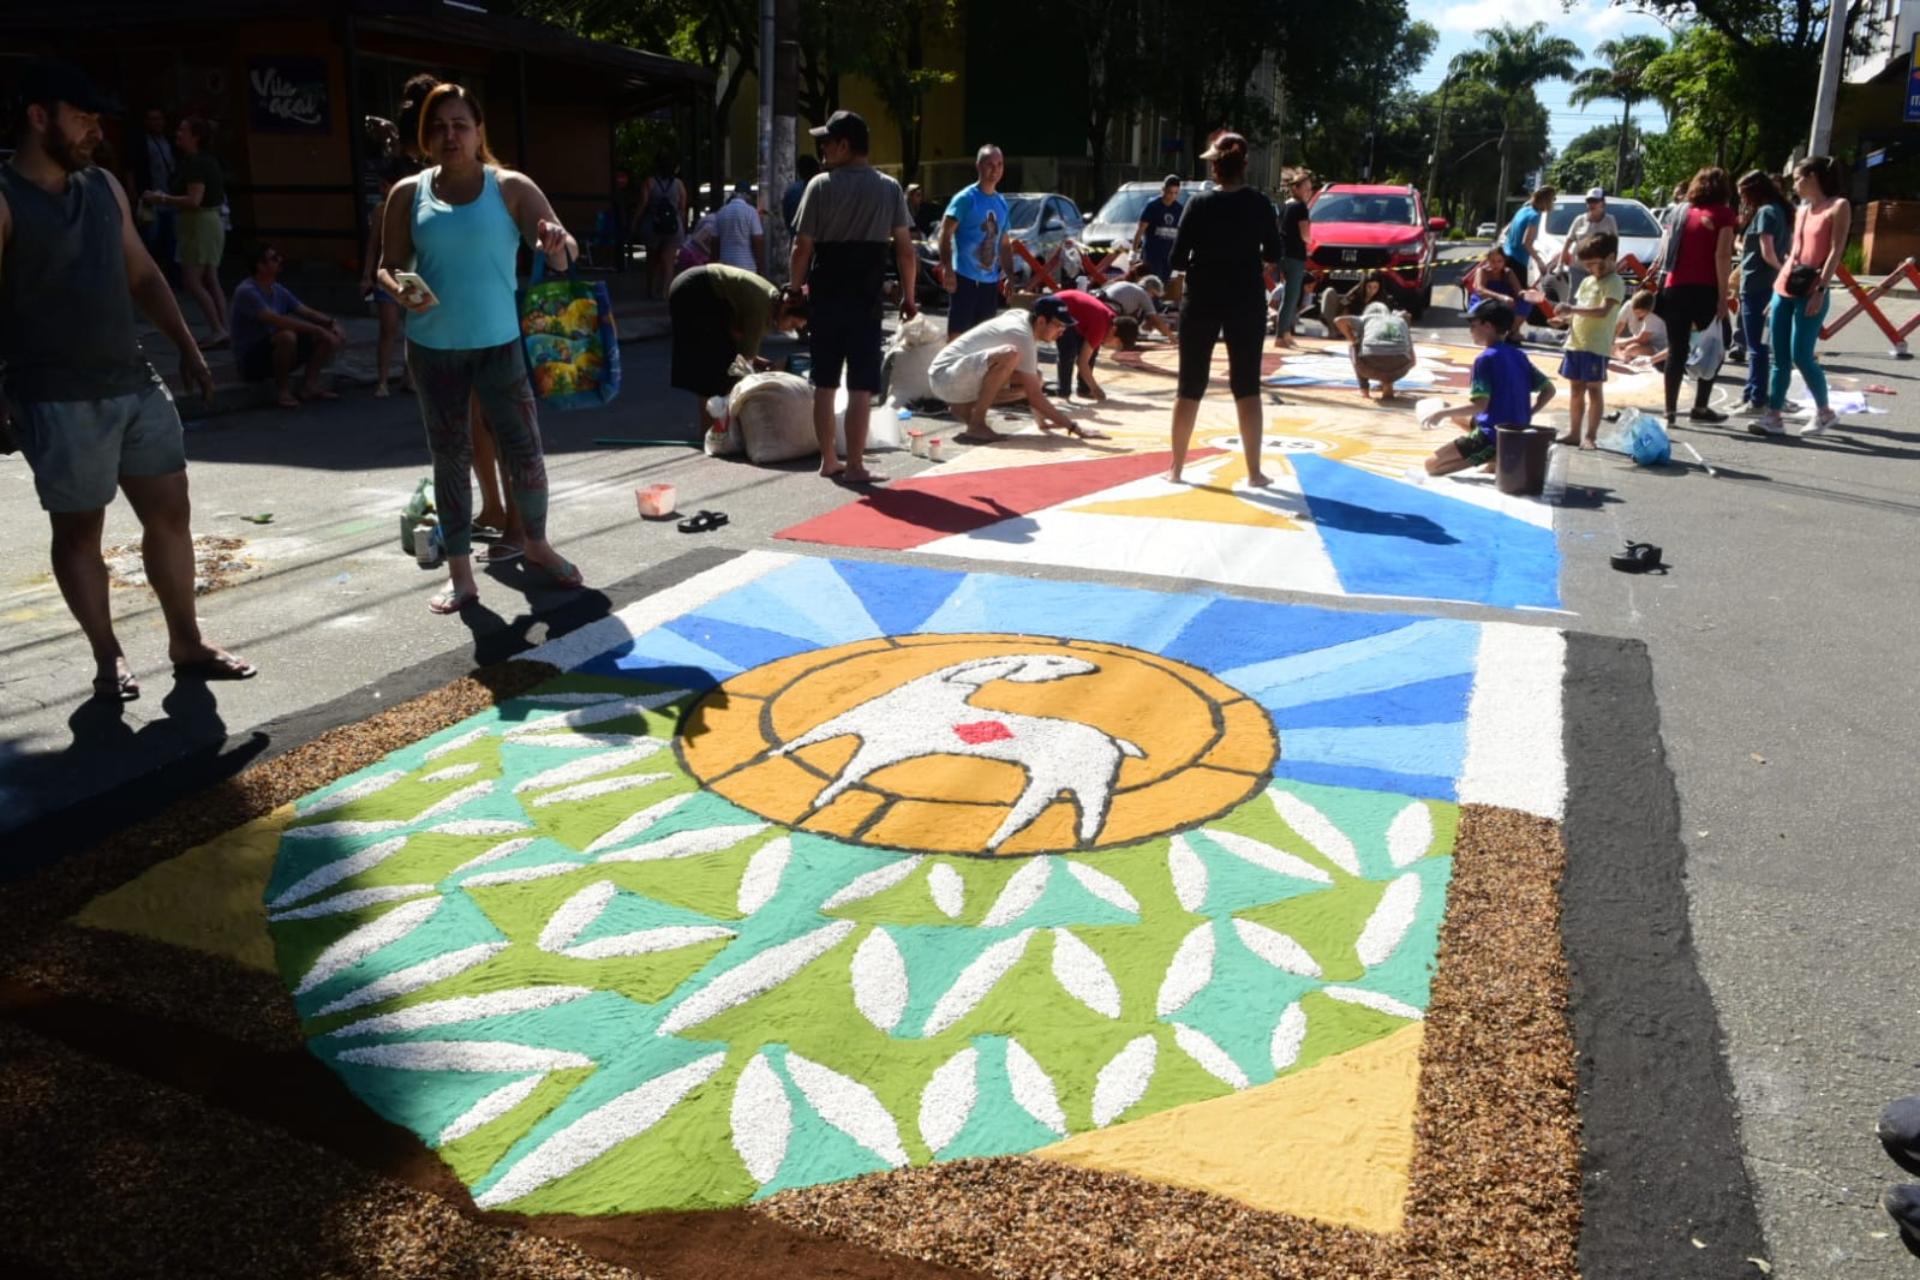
x: 452, y: 771
x: 415, y: 977
x: 463, y: 1055
x: 590, y: 641
x: 599, y: 1131
x: 571, y: 917
x: 634, y: 824
x: 602, y: 787
x: 761, y: 880
x: 459, y: 741
x: 878, y: 880
x: 520, y: 874
x: 353, y: 900
x: 1374, y: 1000
x: 1515, y: 756
x: 489, y: 1109
x: 334, y: 872
x: 440, y: 1013
x: 850, y: 1107
x: 348, y: 794
x: 1390, y: 921
x: 580, y: 770
x: 687, y: 844
x: 598, y: 713
x: 762, y: 1120
x: 762, y: 973
x: 353, y: 947
x: 647, y: 941
x: 494, y: 854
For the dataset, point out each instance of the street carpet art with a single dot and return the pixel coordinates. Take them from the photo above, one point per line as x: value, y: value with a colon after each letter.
x: 812, y: 878
x: 1349, y: 510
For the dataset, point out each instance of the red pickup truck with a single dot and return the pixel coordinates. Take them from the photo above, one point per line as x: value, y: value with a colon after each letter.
x: 1356, y: 228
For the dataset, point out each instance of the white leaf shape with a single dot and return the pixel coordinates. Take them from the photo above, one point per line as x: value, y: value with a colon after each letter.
x: 602, y: 787
x: 452, y: 771
x: 599, y: 713
x: 761, y: 973
x: 362, y: 942
x: 646, y: 941
x: 517, y: 875
x: 592, y: 766
x: 353, y: 900
x: 599, y: 1131
x: 439, y: 1013
x: 1288, y: 1035
x: 1410, y: 834
x: 1189, y: 874
x: 1123, y: 1081
x: 454, y: 800
x: 575, y: 915
x: 687, y: 844
x: 351, y: 792
x: 1190, y: 970
x: 1277, y: 949
x: 975, y: 981
x: 574, y: 698
x: 880, y: 980
x: 1022, y: 890
x: 1264, y: 855
x: 1033, y: 1088
x: 478, y: 827
x: 878, y: 880
x: 761, y: 880
x: 1316, y: 829
x: 949, y: 1098
x: 850, y: 1107
x: 1079, y: 969
x: 503, y: 850
x: 1390, y: 921
x: 627, y: 828
x: 454, y: 744
x: 335, y: 830
x: 949, y: 890
x: 1214, y: 1060
x: 414, y: 977
x: 463, y: 1055
x: 1375, y: 1001
x: 582, y: 741
x: 488, y: 1109
x: 762, y: 1120
x: 1103, y: 886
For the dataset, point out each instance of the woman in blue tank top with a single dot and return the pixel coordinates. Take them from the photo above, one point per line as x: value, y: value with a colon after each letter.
x: 459, y: 226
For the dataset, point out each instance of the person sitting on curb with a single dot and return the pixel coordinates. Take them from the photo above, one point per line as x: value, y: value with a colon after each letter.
x: 1503, y: 378
x: 274, y: 333
x: 971, y: 371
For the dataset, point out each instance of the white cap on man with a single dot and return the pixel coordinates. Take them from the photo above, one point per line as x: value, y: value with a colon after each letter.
x: 1597, y: 193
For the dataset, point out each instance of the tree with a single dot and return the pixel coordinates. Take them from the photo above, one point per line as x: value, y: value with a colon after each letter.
x: 1621, y: 80
x: 1715, y: 117
x: 894, y: 56
x: 1586, y: 161
x: 1511, y: 61
x: 1115, y: 61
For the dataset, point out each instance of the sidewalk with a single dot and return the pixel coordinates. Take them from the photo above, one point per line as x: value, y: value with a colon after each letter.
x: 638, y: 320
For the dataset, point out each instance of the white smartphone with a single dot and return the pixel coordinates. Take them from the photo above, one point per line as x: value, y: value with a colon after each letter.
x: 411, y: 282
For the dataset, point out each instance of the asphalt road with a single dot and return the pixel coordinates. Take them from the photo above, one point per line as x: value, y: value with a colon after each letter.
x: 1780, y: 643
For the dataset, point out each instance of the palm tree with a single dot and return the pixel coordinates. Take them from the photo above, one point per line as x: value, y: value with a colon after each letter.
x: 1621, y: 80
x: 1512, y: 60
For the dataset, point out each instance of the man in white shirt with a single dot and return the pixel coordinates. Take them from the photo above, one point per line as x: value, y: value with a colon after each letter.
x: 971, y: 371
x: 738, y: 234
x: 1592, y: 221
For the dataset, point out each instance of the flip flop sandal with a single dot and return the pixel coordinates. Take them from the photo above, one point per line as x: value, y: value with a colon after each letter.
x: 117, y: 688
x: 501, y: 553
x: 451, y: 601
x: 228, y: 668
x: 487, y: 533
x: 1639, y: 557
x: 702, y: 521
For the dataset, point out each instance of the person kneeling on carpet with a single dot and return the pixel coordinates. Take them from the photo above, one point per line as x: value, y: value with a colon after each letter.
x: 1503, y: 378
x: 972, y: 370
x: 1380, y: 341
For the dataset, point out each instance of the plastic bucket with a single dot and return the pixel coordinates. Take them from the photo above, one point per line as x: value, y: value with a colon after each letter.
x: 1520, y: 460
x: 656, y: 501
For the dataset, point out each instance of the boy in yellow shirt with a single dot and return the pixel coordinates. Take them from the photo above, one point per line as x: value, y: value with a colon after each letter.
x: 1590, y: 337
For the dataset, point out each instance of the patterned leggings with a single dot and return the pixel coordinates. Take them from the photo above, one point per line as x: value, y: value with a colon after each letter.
x: 448, y: 381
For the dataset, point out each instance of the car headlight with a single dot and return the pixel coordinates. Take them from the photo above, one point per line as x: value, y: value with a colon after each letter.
x: 1412, y: 247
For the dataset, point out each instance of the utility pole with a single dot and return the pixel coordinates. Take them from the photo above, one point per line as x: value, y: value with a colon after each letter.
x: 786, y: 111
x: 1439, y: 141
x: 1830, y: 70
x: 768, y: 198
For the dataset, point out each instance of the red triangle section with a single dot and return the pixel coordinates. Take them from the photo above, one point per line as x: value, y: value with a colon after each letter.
x: 912, y: 513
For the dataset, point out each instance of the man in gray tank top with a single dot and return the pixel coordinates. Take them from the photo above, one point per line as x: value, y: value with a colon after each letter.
x: 89, y: 411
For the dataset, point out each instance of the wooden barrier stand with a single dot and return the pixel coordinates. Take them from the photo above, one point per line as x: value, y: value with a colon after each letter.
x: 1865, y: 300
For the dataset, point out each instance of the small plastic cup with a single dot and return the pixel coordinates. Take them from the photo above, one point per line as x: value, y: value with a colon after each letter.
x: 917, y: 442
x: 936, y: 448
x: 655, y: 500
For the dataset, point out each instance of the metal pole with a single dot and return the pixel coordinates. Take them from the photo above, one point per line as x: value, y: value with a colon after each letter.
x: 768, y: 194
x: 786, y: 111
x: 1439, y: 140
x: 1830, y: 68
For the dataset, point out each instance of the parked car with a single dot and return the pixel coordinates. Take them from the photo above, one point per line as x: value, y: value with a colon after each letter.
x: 1044, y: 222
x: 1119, y: 217
x: 1356, y: 228
x: 1486, y: 231
x: 1639, y: 234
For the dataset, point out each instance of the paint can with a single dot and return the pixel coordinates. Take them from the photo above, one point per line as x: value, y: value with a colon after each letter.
x: 426, y: 544
x: 934, y: 448
x: 917, y: 443
x: 655, y: 501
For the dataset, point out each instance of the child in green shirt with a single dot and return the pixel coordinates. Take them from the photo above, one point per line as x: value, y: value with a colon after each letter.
x: 1590, y: 337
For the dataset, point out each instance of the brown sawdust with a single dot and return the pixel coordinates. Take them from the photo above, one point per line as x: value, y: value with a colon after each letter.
x: 218, y: 561
x: 1495, y: 1181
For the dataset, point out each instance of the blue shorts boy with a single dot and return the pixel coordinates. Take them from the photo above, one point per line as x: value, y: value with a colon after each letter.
x: 1583, y: 366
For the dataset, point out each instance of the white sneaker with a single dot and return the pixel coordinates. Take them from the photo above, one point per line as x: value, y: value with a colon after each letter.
x: 1821, y: 421
x: 1767, y: 424
x: 1753, y: 409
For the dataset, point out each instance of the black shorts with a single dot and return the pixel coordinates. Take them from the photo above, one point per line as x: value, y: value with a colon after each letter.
x: 971, y: 302
x: 846, y: 334
x: 1243, y: 323
x: 256, y: 362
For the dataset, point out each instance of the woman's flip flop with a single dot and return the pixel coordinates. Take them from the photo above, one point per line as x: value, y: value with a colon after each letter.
x: 120, y: 688
x: 452, y: 600
x: 702, y: 521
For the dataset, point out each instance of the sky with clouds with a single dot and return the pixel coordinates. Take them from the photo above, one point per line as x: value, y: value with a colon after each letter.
x: 1585, y: 22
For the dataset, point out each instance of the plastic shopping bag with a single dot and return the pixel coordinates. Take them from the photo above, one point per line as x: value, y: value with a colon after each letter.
x: 573, y: 351
x: 1705, y: 353
x: 1650, y: 446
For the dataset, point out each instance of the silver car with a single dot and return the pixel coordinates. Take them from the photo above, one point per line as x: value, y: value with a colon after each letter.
x: 1639, y: 235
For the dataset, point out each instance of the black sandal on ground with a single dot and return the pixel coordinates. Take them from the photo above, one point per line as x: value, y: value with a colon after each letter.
x: 702, y: 521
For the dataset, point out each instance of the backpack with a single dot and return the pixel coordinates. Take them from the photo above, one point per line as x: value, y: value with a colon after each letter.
x: 663, y: 214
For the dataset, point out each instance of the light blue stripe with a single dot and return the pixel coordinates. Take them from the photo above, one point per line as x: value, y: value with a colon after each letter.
x: 806, y: 599
x: 1434, y: 749
x: 1146, y: 620
x: 1436, y: 647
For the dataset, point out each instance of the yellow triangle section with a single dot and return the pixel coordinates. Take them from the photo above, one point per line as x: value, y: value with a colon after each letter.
x: 211, y: 898
x: 1213, y: 502
x: 1332, y: 1143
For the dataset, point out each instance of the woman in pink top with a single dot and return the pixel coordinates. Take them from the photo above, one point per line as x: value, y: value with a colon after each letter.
x: 1800, y: 292
x: 1698, y: 259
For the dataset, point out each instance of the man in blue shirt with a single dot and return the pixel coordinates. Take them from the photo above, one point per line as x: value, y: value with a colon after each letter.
x: 975, y: 253
x: 1159, y: 228
x: 1523, y: 230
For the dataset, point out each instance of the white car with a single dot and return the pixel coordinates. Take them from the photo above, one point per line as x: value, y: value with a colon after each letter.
x: 1486, y: 231
x: 1639, y: 235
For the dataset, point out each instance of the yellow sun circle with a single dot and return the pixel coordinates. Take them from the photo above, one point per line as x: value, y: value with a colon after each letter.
x: 980, y: 744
